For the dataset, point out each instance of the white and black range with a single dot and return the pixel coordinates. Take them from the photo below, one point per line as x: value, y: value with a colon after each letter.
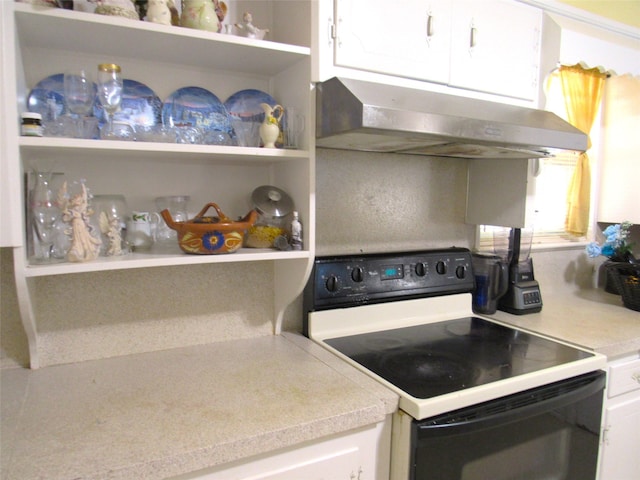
x: 478, y: 399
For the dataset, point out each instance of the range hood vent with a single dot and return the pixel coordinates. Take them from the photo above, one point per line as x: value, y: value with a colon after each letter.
x: 366, y: 116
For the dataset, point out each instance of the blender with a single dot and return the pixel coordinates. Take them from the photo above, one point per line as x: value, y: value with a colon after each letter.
x: 523, y: 293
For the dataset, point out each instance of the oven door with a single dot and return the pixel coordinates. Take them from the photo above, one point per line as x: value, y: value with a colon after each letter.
x: 549, y: 432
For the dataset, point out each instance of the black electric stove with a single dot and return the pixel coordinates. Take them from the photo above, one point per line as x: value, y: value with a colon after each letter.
x: 406, y: 318
x: 438, y: 358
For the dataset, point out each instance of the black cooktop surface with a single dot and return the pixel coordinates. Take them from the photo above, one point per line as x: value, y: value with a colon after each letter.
x: 438, y: 358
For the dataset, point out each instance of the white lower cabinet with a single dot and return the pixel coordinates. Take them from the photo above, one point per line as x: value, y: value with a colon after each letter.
x: 359, y: 455
x: 619, y: 458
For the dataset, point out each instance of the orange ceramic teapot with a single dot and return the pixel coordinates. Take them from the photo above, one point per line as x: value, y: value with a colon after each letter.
x: 210, y: 235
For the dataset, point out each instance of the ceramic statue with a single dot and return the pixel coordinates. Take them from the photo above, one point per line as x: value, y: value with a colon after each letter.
x: 118, y: 8
x: 159, y: 11
x: 248, y: 29
x: 76, y: 212
x: 112, y: 229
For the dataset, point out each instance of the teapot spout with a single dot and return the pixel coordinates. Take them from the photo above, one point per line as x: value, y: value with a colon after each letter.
x: 166, y: 216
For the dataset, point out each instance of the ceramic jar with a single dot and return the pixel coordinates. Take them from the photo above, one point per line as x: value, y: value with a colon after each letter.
x: 199, y: 14
x: 270, y: 128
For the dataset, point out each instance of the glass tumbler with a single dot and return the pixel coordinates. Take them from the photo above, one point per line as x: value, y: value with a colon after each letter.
x: 177, y: 206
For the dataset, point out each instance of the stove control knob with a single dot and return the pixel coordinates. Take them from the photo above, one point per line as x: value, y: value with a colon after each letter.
x: 441, y: 267
x: 461, y: 272
x: 332, y: 283
x: 357, y: 275
x: 421, y: 269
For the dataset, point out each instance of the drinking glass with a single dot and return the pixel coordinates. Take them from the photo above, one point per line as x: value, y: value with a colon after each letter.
x: 79, y: 94
x: 109, y: 92
x: 45, y: 211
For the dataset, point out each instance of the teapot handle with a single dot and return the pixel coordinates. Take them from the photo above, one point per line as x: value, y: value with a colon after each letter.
x: 223, y: 217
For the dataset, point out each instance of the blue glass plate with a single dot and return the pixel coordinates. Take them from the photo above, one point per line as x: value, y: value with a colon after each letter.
x: 245, y: 104
x: 140, y: 106
x: 196, y: 106
x: 47, y: 97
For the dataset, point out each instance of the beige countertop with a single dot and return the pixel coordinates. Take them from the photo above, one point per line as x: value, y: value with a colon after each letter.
x: 590, y: 318
x: 161, y: 414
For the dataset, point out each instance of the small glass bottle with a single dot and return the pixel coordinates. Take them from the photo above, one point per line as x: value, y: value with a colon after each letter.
x: 296, y: 232
x: 31, y: 124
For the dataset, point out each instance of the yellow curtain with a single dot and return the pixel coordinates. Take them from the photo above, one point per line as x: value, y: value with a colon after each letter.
x: 582, y: 91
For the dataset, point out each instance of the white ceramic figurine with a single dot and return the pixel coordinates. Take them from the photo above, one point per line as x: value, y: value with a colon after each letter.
x: 118, y: 8
x: 159, y: 11
x: 248, y: 29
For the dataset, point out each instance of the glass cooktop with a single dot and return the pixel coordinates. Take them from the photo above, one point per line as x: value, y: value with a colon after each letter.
x: 438, y: 358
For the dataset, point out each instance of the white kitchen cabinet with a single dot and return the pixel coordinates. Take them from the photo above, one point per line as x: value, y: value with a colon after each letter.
x: 358, y: 455
x: 411, y: 38
x: 620, y: 152
x: 495, y: 47
x: 621, y: 422
x: 38, y: 42
x: 10, y: 234
x: 490, y: 47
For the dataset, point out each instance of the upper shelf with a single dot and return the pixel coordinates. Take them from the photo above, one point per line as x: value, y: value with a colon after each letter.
x: 100, y: 34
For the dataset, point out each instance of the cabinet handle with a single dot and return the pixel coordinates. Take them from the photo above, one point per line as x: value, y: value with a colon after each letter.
x: 429, y: 25
x: 472, y: 36
x: 636, y: 376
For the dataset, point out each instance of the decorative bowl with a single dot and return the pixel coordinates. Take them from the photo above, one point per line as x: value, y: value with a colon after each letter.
x: 206, y: 235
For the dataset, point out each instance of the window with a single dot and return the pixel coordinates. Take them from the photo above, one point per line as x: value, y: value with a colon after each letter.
x: 551, y: 182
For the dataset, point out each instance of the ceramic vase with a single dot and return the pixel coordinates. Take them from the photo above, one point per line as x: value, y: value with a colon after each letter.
x: 199, y: 14
x: 270, y: 128
x: 269, y: 134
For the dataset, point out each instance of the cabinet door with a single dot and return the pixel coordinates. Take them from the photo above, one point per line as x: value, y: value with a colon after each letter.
x: 619, y: 458
x: 495, y: 47
x: 408, y: 38
x: 619, y: 153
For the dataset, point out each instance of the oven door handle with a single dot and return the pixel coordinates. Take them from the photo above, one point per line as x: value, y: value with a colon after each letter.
x: 514, y: 407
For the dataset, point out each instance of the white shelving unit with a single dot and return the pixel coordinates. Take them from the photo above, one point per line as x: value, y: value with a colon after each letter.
x: 38, y: 42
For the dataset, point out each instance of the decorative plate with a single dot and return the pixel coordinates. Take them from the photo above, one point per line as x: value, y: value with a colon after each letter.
x: 245, y: 105
x: 47, y: 97
x: 196, y: 107
x: 139, y: 106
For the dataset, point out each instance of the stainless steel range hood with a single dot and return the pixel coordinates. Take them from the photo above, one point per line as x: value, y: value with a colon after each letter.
x: 366, y: 116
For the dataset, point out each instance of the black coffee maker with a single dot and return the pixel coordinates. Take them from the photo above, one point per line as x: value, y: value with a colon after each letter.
x: 523, y: 294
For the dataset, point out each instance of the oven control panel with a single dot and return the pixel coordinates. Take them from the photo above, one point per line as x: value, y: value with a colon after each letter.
x: 350, y: 280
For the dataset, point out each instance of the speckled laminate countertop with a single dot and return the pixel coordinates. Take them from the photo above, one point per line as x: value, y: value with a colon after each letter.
x: 161, y: 414
x: 157, y: 415
x: 590, y: 318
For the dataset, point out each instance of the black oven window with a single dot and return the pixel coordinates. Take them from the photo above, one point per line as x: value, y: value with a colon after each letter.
x: 552, y: 438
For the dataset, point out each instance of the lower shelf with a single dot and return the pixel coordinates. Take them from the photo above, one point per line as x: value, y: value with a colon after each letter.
x: 153, y: 259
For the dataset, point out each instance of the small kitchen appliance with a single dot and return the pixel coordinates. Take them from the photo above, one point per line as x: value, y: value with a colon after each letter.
x: 523, y: 294
x: 492, y: 281
x: 478, y: 398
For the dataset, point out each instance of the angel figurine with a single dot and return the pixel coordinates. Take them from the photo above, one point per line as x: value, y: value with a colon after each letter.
x: 76, y: 212
x: 248, y: 29
x: 111, y: 228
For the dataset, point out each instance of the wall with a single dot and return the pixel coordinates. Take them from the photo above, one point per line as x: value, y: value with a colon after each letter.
x: 370, y: 202
x: 98, y: 315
